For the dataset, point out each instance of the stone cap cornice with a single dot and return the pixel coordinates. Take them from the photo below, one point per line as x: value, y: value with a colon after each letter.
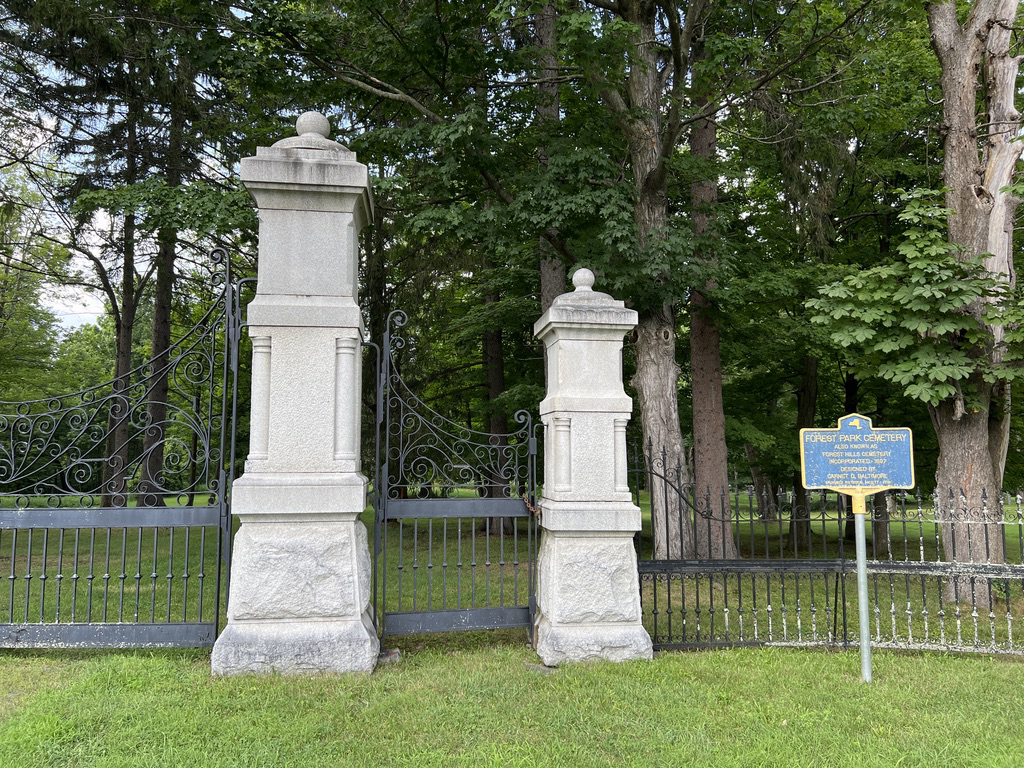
x: 585, y: 308
x: 307, y: 163
x: 582, y: 403
x: 580, y: 517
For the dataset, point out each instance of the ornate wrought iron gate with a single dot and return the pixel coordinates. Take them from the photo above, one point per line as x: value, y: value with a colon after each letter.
x: 455, y: 539
x: 114, y: 522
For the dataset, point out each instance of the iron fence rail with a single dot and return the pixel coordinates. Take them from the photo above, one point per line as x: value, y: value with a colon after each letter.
x: 456, y: 573
x: 942, y: 575
x: 114, y: 501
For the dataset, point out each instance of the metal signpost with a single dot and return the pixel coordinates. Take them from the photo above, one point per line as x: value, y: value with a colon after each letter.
x: 859, y: 461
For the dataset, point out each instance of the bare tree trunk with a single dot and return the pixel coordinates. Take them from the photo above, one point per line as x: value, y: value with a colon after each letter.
x: 764, y: 490
x: 656, y: 374
x: 968, y: 502
x: 880, y: 525
x: 152, y: 481
x: 120, y: 413
x: 806, y: 408
x: 119, y: 427
x: 713, y: 534
x: 980, y: 154
x: 552, y: 277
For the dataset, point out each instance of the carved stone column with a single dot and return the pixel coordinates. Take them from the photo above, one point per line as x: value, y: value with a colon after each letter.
x: 300, y: 572
x: 588, y: 593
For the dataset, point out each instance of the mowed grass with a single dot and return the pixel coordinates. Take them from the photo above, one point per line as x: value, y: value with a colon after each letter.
x: 479, y: 704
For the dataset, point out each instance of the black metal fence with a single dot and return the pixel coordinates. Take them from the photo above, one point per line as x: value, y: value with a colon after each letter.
x: 778, y: 568
x: 455, y: 539
x: 114, y: 524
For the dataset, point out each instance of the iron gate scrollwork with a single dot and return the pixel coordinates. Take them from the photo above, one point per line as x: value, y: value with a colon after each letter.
x: 455, y: 537
x: 114, y: 519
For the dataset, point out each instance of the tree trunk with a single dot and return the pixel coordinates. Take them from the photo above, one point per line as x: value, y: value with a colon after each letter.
x: 657, y: 373
x: 976, y: 62
x: 806, y: 408
x: 153, y: 484
x: 714, y: 533
x: 494, y: 373
x: 119, y: 426
x: 880, y: 505
x: 764, y: 490
x: 967, y: 501
x: 120, y: 413
x: 552, y: 276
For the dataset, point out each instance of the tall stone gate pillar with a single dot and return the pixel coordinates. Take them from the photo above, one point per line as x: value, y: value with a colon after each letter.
x: 300, y: 572
x: 588, y: 593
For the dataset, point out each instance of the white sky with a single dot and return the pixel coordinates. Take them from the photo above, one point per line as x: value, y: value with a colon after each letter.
x: 75, y: 309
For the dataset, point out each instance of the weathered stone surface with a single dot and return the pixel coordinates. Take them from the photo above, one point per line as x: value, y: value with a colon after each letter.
x: 558, y: 644
x: 587, y: 469
x: 292, y: 497
x: 296, y: 648
x: 301, y: 400
x: 300, y: 579
x: 296, y: 570
x: 588, y: 579
x: 593, y: 516
x: 588, y: 591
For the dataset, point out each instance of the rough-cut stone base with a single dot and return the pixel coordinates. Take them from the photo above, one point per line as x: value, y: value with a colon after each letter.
x: 312, y: 570
x: 299, y: 599
x: 588, y: 598
x: 559, y: 644
x: 296, y: 648
x: 588, y: 578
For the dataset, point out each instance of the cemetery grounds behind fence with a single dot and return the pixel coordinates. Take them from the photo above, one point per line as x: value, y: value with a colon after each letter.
x: 792, y: 580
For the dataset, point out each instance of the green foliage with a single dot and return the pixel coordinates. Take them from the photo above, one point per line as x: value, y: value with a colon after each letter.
x: 28, y: 329
x: 927, y: 321
x: 442, y: 102
x: 201, y: 206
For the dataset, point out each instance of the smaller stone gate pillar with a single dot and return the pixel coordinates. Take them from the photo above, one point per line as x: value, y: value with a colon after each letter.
x: 300, y: 568
x: 588, y: 591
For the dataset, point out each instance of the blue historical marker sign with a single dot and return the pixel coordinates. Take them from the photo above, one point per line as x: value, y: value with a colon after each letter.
x: 857, y: 456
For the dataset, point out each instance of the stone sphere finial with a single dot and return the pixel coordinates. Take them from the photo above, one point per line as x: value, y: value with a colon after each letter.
x: 583, y: 279
x: 313, y: 122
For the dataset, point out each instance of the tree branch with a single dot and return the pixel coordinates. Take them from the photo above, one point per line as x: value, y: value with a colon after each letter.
x: 608, y: 5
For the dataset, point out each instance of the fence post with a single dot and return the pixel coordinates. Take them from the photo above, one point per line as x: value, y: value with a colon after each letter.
x: 588, y: 594
x: 300, y: 580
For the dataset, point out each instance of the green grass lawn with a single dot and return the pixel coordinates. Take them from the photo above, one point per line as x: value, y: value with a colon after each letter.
x: 474, y: 702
